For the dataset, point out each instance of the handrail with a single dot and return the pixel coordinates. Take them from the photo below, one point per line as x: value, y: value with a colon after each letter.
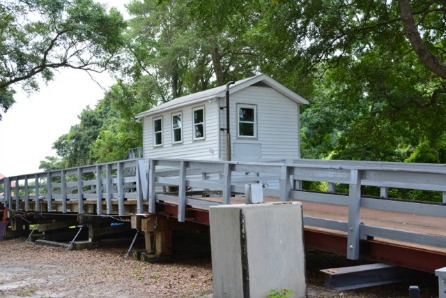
x: 111, y: 184
x: 107, y: 181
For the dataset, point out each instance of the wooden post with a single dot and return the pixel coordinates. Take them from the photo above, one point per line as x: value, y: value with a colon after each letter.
x: 17, y: 194
x: 49, y: 194
x: 80, y: 199
x: 141, y: 185
x: 98, y: 191
x: 63, y: 186
x: 37, y: 193
x: 152, y: 193
x: 182, y: 193
x: 158, y: 235
x: 108, y: 188
x: 120, y: 185
x: 354, y: 217
x: 227, y: 171
x: 384, y: 192
x: 285, y: 183
x: 26, y: 194
x: 7, y: 186
x: 163, y: 238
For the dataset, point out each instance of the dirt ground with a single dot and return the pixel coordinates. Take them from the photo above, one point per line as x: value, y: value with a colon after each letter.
x: 32, y: 270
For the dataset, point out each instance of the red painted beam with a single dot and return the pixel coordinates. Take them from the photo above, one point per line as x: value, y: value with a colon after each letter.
x: 410, y: 257
x: 372, y: 250
x: 192, y: 214
x: 417, y: 258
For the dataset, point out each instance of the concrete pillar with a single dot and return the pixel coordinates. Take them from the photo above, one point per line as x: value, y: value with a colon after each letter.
x: 441, y: 273
x: 257, y: 249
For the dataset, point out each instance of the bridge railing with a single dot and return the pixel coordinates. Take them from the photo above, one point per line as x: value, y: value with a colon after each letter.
x: 105, y: 186
x: 226, y: 180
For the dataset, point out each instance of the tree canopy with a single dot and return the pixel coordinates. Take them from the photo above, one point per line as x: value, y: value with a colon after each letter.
x: 373, y: 71
x: 40, y: 36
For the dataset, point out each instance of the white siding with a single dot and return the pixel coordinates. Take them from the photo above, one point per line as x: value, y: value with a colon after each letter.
x: 277, y: 124
x: 198, y: 149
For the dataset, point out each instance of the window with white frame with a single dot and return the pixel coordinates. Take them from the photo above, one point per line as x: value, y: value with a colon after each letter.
x: 247, y: 118
x: 198, y: 123
x: 177, y: 128
x: 158, y: 131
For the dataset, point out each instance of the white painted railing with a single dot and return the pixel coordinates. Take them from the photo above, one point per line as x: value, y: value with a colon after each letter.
x: 104, y: 183
x: 185, y: 183
x: 284, y: 181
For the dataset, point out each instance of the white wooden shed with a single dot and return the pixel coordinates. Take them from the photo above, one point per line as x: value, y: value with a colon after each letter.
x: 264, y: 123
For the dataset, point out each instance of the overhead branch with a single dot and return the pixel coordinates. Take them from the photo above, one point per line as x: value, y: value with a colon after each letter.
x: 420, y: 48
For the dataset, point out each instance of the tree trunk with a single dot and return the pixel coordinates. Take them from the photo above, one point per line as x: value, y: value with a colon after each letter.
x: 216, y: 62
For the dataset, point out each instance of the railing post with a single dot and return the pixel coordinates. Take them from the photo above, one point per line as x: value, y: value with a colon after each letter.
x: 331, y: 187
x: 285, y: 183
x: 37, y: 193
x: 26, y: 194
x: 152, y: 192
x: 354, y: 217
x: 120, y: 184
x: 63, y: 186
x: 182, y: 192
x: 98, y: 191
x: 141, y: 184
x: 17, y: 194
x: 8, y: 198
x: 384, y: 192
x: 108, y: 188
x: 49, y: 193
x: 227, y: 171
x: 80, y: 199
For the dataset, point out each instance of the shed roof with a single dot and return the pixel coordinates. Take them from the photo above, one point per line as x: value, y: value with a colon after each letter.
x: 221, y: 92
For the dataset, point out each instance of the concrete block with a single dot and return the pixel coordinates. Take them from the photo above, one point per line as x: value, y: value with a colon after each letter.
x: 441, y: 273
x: 257, y: 248
x: 254, y: 193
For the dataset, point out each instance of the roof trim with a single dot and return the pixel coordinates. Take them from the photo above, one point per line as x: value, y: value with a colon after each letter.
x: 221, y: 92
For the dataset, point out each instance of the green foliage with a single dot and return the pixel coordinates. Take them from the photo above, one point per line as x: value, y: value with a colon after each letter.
x: 75, y: 147
x: 281, y: 293
x: 51, y: 163
x: 39, y: 36
x: 371, y: 97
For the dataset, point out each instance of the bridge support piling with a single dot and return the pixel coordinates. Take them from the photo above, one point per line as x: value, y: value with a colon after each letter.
x: 157, y: 235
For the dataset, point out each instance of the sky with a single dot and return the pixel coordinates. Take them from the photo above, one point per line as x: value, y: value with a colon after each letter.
x: 31, y: 126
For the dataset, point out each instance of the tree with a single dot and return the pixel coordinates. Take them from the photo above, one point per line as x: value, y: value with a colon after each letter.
x: 189, y: 46
x: 373, y: 69
x: 121, y: 131
x: 40, y: 36
x: 75, y: 147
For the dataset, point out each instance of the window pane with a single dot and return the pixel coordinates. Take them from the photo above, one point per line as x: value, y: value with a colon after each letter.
x: 246, y: 129
x: 158, y: 139
x: 199, y: 133
x: 246, y: 114
x: 198, y: 116
x: 158, y: 125
x: 177, y: 135
x: 176, y: 121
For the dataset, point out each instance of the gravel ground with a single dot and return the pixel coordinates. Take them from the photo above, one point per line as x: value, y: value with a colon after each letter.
x: 32, y: 270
